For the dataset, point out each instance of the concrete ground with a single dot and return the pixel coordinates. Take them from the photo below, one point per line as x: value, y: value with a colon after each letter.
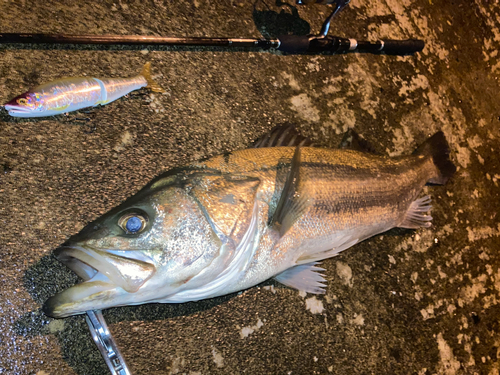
x: 405, y: 302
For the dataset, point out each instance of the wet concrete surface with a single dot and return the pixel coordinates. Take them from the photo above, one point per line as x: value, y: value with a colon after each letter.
x: 405, y: 302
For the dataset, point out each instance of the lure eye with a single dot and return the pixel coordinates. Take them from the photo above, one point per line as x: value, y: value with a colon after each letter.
x: 133, y: 223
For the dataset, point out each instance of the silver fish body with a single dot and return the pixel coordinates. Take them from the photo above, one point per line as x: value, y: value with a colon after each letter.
x: 233, y: 221
x: 71, y: 94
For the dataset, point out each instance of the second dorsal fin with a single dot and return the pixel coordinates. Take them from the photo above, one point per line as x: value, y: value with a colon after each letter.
x: 353, y: 141
x: 282, y: 136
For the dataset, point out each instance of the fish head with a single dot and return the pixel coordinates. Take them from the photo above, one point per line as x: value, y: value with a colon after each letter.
x: 29, y: 104
x: 153, y: 246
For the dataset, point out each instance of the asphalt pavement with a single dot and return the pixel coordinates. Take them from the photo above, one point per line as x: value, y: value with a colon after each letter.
x: 421, y: 301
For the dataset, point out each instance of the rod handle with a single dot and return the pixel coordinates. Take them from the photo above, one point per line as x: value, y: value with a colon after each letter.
x: 402, y: 47
x: 335, y: 45
x: 294, y: 43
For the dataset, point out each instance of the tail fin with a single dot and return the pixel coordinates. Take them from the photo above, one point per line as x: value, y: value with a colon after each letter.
x: 146, y: 73
x: 437, y: 148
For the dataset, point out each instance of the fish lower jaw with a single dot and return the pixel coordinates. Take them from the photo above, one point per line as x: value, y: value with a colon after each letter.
x: 109, y: 280
x: 89, y: 295
x: 19, y: 112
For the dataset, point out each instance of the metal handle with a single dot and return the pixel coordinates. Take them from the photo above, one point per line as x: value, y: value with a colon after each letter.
x: 105, y: 343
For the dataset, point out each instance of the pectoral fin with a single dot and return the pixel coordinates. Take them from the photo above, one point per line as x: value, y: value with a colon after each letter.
x: 294, y: 200
x: 305, y: 277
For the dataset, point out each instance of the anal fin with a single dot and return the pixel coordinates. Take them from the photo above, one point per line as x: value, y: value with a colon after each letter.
x: 304, y: 277
x: 416, y: 216
x: 334, y: 248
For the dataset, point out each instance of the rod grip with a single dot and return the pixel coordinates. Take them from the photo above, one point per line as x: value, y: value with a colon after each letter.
x: 402, y: 47
x: 294, y: 43
x: 313, y: 44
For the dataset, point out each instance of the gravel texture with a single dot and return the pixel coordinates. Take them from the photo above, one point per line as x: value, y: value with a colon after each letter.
x: 405, y: 302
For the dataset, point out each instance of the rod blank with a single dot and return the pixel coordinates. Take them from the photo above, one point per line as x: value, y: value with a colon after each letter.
x: 134, y: 40
x: 312, y: 44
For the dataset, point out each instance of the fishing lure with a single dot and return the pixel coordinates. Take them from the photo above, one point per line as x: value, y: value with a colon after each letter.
x: 71, y: 94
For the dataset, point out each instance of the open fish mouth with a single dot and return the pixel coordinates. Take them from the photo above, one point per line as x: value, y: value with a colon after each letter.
x: 108, y: 276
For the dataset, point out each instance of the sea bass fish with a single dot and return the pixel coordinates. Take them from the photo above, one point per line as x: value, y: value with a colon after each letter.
x: 233, y: 221
x: 71, y: 94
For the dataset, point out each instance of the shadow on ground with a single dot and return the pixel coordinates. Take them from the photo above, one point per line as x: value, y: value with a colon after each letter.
x: 48, y: 277
x: 272, y: 24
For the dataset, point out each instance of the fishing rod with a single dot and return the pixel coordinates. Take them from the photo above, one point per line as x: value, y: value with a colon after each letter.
x: 290, y: 44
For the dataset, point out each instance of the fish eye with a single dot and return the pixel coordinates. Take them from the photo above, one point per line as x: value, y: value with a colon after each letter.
x: 22, y: 101
x: 133, y: 223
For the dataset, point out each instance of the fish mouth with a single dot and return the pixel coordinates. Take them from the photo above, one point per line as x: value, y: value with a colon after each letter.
x: 110, y: 278
x: 18, y: 111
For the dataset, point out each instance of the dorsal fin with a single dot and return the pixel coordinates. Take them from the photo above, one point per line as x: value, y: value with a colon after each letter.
x: 282, y: 136
x: 294, y: 200
x: 353, y: 141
